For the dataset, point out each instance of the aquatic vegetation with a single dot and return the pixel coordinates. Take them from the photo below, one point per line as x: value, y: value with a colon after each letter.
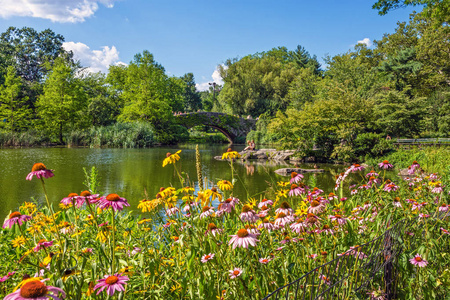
x: 209, y: 243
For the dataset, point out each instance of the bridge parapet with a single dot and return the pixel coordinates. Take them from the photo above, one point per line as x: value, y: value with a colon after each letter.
x: 234, y: 128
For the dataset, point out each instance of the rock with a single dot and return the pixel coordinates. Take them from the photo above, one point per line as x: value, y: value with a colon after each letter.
x: 287, y: 171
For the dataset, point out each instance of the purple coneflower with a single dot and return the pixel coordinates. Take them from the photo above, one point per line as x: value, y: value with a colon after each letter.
x: 371, y: 173
x: 312, y: 220
x: 172, y: 211
x: 433, y: 176
x: 397, y: 202
x: 391, y: 187
x: 418, y: 261
x: 325, y: 229
x: 332, y: 196
x: 325, y: 279
x: 299, y: 226
x: 385, y: 165
x: 295, y: 191
x: 316, y: 191
x: 212, y: 228
x: 15, y: 218
x: 354, y: 192
x: 341, y: 220
x: 73, y: 198
x: 422, y: 216
x: 444, y: 231
x: 415, y: 164
x: 437, y: 189
x: 282, y: 219
x: 243, y: 239
x: 313, y: 256
x: 285, y: 208
x: 266, y: 224
x: 35, y: 289
x: 235, y: 273
x: 265, y: 202
x: 113, y: 200
x: 356, y: 167
x: 89, y: 198
x: 42, y: 244
x: 265, y: 261
x: 206, y: 212
x: 112, y: 283
x: 40, y: 170
x: 364, y: 187
x: 207, y: 257
x: 6, y: 277
x: 443, y: 207
x: 296, y: 177
x: 316, y: 207
x: 248, y: 214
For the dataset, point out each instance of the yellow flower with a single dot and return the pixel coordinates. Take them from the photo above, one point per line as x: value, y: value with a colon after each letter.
x: 171, y: 201
x: 225, y: 185
x: 149, y: 205
x: 201, y: 196
x: 69, y: 272
x: 251, y: 202
x: 175, y: 288
x: 188, y: 189
x: 126, y: 270
x: 90, y: 288
x: 63, y: 206
x: 282, y: 193
x: 35, y: 229
x: 213, y: 194
x: 188, y: 198
x: 19, y: 241
x: 47, y: 260
x: 283, y: 184
x: 80, y: 232
x: 167, y: 192
x: 302, y: 210
x: 230, y: 155
x: 144, y: 221
x: 171, y: 158
x: 29, y: 207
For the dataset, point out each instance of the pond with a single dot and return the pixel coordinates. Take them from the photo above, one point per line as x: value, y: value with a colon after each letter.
x: 129, y: 172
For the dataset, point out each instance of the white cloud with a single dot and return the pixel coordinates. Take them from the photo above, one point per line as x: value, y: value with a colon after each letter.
x: 94, y: 60
x: 204, y: 86
x: 63, y: 11
x: 366, y: 41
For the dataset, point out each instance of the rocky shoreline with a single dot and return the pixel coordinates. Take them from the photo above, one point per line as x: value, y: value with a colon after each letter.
x: 270, y: 154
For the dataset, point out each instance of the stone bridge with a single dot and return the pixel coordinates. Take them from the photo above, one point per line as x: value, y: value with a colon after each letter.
x: 234, y: 128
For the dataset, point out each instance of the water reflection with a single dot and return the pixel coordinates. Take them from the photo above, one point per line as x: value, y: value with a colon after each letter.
x: 129, y: 172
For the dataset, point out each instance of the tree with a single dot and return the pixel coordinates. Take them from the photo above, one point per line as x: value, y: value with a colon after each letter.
x: 28, y: 50
x: 192, y: 99
x: 63, y: 100
x: 13, y: 109
x: 438, y: 10
x: 304, y: 60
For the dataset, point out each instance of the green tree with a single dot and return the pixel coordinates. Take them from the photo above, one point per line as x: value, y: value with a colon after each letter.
x: 14, y: 112
x: 192, y: 99
x: 63, y: 100
x: 438, y: 10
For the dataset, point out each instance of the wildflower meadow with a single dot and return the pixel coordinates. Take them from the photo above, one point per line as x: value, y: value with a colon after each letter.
x: 199, y: 240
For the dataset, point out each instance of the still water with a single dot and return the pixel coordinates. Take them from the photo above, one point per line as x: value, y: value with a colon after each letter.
x: 128, y: 172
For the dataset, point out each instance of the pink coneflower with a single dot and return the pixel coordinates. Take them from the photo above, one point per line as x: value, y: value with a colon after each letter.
x: 437, y: 189
x: 397, y: 202
x: 371, y: 173
x: 37, y: 290
x: 206, y: 212
x: 418, y: 261
x: 287, y: 240
x: 265, y: 202
x: 296, y: 177
x: 248, y: 214
x: 299, y: 226
x: 343, y: 199
x: 42, y: 244
x: 316, y: 207
x: 73, y: 198
x: 15, y: 218
x: 316, y: 191
x: 411, y: 171
x: 89, y: 198
x: 373, y: 180
x: 364, y: 187
x: 226, y: 206
x: 433, y: 176
x: 443, y: 207
x: 235, y: 273
x: 295, y: 191
x: 189, y: 205
x: 415, y: 165
x: 341, y: 220
x: 313, y: 256
x: 391, y: 187
x: 325, y: 279
x: 312, y: 220
x: 243, y: 239
x: 417, y: 205
x: 112, y: 283
x: 282, y: 219
x: 322, y: 200
x: 40, y: 170
x: 212, y: 228
x: 385, y: 165
x: 207, y: 257
x: 114, y: 201
x: 265, y: 261
x: 6, y: 277
x: 423, y: 216
x: 172, y: 211
x: 325, y: 229
x: 354, y: 192
x: 444, y: 231
x: 266, y: 224
x: 332, y: 196
x: 356, y: 167
x: 285, y: 208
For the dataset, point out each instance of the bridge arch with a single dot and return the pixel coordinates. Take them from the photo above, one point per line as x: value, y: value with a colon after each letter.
x: 234, y: 128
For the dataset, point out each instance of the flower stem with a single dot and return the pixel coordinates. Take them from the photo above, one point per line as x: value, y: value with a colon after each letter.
x: 113, y: 247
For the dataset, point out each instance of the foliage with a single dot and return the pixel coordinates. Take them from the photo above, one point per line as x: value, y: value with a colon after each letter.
x: 183, y: 246
x: 14, y: 113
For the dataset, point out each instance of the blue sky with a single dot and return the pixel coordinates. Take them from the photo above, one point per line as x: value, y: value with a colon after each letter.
x: 195, y: 36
